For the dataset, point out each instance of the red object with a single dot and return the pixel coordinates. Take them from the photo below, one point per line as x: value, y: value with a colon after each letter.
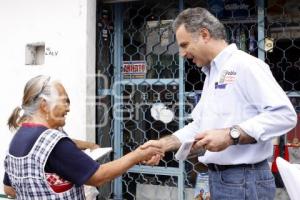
x: 31, y: 124
x: 294, y: 133
x: 57, y: 183
x: 290, y: 138
x: 276, y: 154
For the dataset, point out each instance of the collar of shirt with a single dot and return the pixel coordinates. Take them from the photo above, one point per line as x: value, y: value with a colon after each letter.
x: 219, y: 60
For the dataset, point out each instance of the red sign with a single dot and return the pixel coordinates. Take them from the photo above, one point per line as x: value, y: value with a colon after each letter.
x: 134, y: 69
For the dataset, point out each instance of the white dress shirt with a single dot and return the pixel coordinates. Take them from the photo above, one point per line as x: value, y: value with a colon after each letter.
x: 240, y: 89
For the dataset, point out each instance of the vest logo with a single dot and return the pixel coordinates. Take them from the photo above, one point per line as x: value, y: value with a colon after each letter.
x: 220, y: 85
x: 227, y: 77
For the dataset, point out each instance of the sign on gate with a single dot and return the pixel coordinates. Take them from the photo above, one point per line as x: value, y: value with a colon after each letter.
x: 134, y: 69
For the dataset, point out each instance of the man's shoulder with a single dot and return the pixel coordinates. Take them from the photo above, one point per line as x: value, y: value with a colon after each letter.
x: 244, y: 56
x: 245, y: 61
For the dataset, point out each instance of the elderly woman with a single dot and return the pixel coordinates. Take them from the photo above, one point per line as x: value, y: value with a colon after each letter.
x: 43, y: 162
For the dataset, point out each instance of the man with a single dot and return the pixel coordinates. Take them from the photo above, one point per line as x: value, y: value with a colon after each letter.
x: 242, y: 108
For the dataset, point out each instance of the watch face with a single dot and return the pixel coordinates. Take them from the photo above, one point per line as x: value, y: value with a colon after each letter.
x: 234, y: 133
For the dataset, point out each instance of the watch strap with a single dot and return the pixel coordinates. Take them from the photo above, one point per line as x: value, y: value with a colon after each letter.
x: 235, y: 140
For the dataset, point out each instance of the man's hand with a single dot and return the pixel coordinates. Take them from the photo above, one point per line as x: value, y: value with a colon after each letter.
x: 167, y: 143
x: 154, y: 160
x: 152, y: 143
x: 213, y: 140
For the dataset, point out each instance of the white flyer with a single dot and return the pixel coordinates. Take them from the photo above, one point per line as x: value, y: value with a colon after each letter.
x: 184, y: 150
x: 98, y: 153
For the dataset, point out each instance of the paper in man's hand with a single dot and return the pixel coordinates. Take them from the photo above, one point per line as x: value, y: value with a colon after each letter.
x: 184, y: 150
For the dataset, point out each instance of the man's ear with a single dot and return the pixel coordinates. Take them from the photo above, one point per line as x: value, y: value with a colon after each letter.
x: 205, y: 34
x: 44, y: 106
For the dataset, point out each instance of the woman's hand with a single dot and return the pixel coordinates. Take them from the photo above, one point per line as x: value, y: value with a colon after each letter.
x: 83, y: 145
x: 92, y: 146
x: 145, y: 154
x: 10, y: 191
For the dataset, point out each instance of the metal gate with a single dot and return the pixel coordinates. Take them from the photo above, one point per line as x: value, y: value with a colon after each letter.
x: 139, y: 72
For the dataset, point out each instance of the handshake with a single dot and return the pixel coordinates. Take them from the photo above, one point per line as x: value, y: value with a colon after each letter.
x: 150, y: 153
x: 153, y: 151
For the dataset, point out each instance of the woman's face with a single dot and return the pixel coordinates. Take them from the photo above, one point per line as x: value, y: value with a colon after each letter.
x: 58, y: 112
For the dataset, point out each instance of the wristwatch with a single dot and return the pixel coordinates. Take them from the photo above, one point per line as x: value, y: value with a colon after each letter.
x: 235, y: 134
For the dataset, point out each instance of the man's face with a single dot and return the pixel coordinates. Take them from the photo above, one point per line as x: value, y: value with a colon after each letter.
x: 192, y: 46
x: 58, y: 112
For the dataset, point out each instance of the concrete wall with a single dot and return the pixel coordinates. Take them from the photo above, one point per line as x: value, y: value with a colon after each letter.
x: 67, y: 28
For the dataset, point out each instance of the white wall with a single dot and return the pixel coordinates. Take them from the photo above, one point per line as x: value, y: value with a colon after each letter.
x: 67, y: 27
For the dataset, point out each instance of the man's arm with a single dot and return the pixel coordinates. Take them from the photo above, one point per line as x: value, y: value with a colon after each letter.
x: 275, y: 113
x: 168, y: 143
x: 219, y: 139
x: 245, y: 138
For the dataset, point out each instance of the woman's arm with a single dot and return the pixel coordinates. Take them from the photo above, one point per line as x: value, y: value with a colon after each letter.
x: 108, y: 171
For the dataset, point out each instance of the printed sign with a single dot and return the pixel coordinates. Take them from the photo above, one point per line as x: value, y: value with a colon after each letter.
x: 202, y: 187
x: 134, y: 69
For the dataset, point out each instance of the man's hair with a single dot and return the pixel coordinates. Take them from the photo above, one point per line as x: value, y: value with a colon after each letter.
x: 194, y: 19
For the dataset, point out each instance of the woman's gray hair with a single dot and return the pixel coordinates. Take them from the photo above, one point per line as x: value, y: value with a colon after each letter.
x: 194, y: 19
x: 36, y: 89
